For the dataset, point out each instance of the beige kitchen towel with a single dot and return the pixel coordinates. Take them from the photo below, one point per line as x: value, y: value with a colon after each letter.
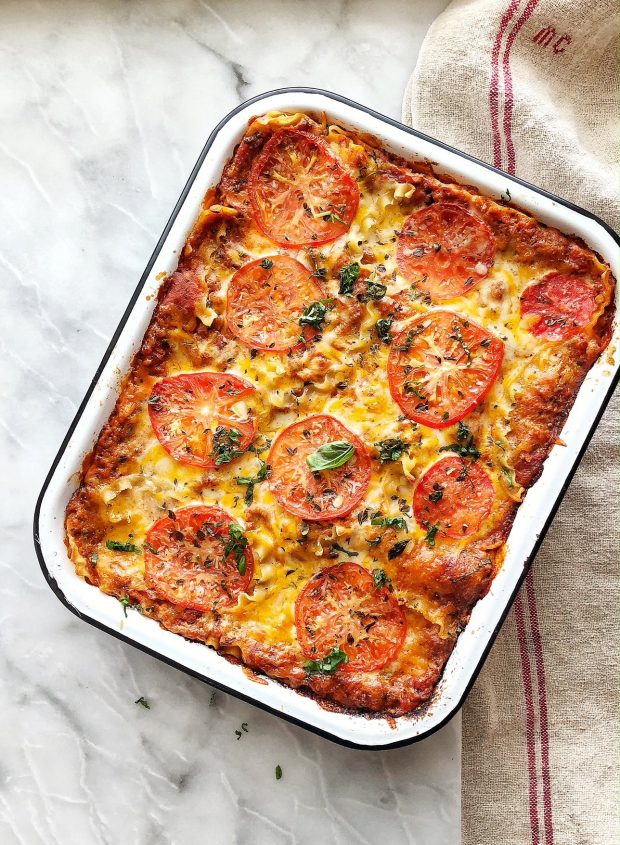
x: 531, y: 86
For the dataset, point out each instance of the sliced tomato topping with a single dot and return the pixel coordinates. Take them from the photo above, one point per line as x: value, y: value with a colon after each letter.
x: 265, y: 300
x: 441, y: 367
x: 194, y: 418
x: 198, y: 558
x: 445, y: 249
x: 326, y: 494
x: 455, y: 495
x: 563, y: 304
x: 342, y: 608
x: 299, y: 191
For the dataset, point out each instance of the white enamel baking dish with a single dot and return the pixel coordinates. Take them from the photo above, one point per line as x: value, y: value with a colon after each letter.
x: 534, y: 515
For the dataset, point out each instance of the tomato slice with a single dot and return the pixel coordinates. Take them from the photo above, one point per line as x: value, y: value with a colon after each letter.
x: 342, y: 608
x: 192, y: 415
x: 317, y: 496
x: 265, y: 300
x: 187, y: 562
x: 445, y: 249
x: 455, y: 495
x: 299, y: 191
x: 563, y: 303
x: 441, y: 367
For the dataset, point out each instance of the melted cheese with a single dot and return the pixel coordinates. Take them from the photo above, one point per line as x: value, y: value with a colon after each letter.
x: 343, y: 374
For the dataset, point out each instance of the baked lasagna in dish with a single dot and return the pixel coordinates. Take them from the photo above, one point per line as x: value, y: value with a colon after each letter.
x: 344, y: 393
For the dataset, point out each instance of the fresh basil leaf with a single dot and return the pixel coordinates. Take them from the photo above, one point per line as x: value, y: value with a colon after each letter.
x: 314, y: 314
x: 374, y: 291
x: 397, y: 549
x: 331, y: 455
x: 326, y: 665
x: 348, y: 277
x: 383, y: 329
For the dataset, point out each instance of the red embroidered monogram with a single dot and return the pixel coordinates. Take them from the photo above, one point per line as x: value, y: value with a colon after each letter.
x: 545, y: 36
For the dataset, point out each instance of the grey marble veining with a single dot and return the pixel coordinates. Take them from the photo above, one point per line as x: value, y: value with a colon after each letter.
x: 104, y: 108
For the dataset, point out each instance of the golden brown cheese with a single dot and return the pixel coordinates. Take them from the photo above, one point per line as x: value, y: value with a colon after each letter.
x: 129, y: 481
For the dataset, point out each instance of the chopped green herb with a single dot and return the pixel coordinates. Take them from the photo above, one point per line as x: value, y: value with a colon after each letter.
x: 431, y: 533
x: 236, y: 546
x: 437, y: 493
x: 374, y: 292
x: 154, y: 400
x: 94, y: 558
x: 338, y: 548
x: 278, y: 772
x: 405, y: 346
x: 463, y: 431
x: 331, y: 455
x: 397, y: 549
x: 348, y: 277
x: 250, y: 482
x: 464, y: 450
x: 314, y: 314
x: 142, y: 700
x: 380, y: 578
x: 330, y: 217
x: 413, y: 388
x: 266, y: 264
x: 244, y: 728
x: 390, y: 522
x: 116, y: 546
x: 509, y: 473
x: 465, y: 447
x: 326, y: 665
x: 383, y: 329
x: 125, y: 601
x: 225, y: 445
x: 391, y: 449
x: 363, y: 515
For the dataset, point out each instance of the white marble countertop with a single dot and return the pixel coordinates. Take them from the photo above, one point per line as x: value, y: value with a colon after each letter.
x: 105, y: 108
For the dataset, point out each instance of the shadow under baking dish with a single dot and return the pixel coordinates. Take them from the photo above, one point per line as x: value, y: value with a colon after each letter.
x: 534, y: 515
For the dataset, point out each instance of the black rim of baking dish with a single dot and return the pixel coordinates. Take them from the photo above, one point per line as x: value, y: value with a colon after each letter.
x: 527, y: 563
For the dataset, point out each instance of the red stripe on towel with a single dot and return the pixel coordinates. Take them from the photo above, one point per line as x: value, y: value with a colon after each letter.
x: 494, y: 90
x: 508, y: 105
x: 542, y: 707
x: 526, y: 675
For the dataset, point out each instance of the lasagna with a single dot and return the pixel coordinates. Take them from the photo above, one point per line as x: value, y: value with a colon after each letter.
x: 345, y: 390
